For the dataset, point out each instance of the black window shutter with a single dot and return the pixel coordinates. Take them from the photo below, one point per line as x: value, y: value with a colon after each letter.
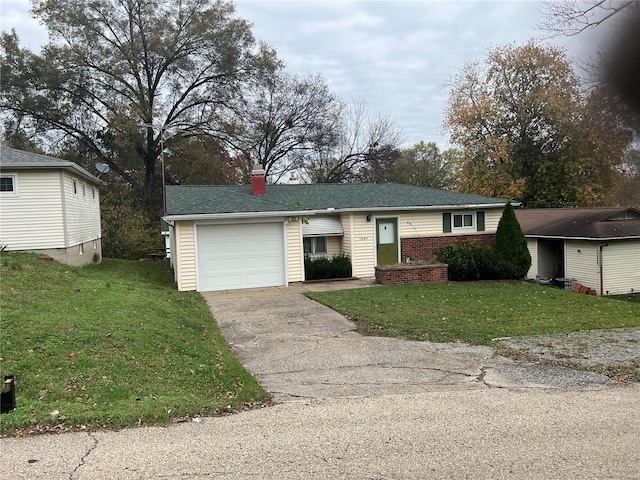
x: 480, y: 219
x: 446, y: 222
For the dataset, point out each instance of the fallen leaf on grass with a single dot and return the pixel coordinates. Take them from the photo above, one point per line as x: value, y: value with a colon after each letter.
x: 72, y: 355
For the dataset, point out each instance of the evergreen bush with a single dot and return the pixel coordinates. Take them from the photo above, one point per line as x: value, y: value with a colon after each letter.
x: 323, y: 268
x: 510, y: 247
x: 468, y: 261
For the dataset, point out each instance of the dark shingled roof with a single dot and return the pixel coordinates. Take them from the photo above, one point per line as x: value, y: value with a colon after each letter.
x: 588, y: 223
x: 12, y: 159
x: 219, y: 199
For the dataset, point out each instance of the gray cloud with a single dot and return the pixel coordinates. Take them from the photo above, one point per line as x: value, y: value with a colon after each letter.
x: 396, y: 56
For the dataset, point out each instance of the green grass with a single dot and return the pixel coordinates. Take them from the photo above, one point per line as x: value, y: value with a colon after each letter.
x: 111, y: 346
x: 477, y: 312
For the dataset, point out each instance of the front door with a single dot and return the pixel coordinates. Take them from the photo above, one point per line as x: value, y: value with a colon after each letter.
x: 387, y: 241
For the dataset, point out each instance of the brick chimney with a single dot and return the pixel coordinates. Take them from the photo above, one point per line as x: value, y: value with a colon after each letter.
x: 257, y: 180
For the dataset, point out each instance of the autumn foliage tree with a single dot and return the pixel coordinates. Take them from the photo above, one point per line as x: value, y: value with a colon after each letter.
x: 526, y: 130
x: 510, y: 248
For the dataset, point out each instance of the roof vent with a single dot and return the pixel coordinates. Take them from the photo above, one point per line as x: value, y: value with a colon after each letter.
x: 258, y: 186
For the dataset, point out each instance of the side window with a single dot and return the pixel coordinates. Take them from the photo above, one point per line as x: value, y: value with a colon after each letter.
x: 75, y: 186
x: 315, y: 246
x: 8, y: 185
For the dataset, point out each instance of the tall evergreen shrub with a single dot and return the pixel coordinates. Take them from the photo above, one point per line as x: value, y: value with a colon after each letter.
x: 510, y: 247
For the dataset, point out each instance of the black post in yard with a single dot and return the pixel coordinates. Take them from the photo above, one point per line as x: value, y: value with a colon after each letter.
x: 8, y: 397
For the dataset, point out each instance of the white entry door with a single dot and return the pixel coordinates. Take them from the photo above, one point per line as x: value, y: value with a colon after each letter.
x: 239, y: 256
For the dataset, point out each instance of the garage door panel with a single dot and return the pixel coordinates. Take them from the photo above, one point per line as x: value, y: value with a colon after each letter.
x: 240, y: 256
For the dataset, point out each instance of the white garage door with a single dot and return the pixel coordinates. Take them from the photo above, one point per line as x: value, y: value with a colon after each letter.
x: 240, y: 256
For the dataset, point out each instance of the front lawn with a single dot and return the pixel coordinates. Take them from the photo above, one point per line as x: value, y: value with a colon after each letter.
x: 477, y: 312
x: 111, y: 345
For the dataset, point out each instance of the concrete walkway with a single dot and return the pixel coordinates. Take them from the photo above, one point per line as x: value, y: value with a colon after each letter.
x: 300, y: 349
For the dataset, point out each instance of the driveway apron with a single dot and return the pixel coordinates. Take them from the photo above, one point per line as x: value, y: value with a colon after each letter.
x: 299, y: 349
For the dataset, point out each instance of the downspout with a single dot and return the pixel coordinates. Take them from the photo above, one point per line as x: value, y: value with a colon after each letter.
x: 600, y: 262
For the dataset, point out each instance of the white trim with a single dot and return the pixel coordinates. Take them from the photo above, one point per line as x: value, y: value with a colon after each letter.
x: 464, y: 229
x: 298, y: 213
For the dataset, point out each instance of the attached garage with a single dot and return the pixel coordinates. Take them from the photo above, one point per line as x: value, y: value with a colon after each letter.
x: 240, y: 255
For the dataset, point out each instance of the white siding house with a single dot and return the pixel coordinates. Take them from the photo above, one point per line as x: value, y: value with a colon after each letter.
x: 596, y: 247
x: 50, y: 207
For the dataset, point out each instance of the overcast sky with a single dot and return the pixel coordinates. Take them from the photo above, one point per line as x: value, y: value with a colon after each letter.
x: 396, y: 56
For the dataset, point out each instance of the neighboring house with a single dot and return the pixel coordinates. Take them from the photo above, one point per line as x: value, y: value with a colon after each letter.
x: 597, y: 247
x: 233, y: 237
x: 49, y: 206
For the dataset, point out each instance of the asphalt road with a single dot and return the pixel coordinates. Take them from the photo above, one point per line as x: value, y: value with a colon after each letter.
x: 480, y: 433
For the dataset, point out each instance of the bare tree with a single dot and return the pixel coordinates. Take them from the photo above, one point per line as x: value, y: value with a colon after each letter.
x: 572, y: 17
x: 367, y: 144
x: 279, y: 118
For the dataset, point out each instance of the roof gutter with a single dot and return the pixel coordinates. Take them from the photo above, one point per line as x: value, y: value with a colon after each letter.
x: 70, y: 166
x: 237, y: 215
x: 411, y: 207
x: 297, y: 213
x: 594, y: 239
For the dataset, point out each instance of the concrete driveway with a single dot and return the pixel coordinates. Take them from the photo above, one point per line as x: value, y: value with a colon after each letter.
x: 300, y: 349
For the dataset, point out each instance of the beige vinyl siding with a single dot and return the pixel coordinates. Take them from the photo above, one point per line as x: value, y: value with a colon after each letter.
x: 420, y: 224
x: 185, y: 261
x: 33, y: 219
x: 334, y: 246
x: 347, y: 239
x: 581, y: 263
x: 429, y: 223
x: 81, y: 210
x: 294, y: 251
x: 621, y: 267
x: 491, y: 220
x: 532, y: 245
x: 363, y: 246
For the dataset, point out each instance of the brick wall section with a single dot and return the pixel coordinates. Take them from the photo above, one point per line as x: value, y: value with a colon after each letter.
x: 424, y: 248
x: 412, y: 274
